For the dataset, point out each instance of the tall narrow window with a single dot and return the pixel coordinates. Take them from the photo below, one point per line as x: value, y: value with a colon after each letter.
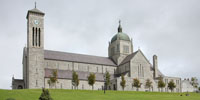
x: 125, y: 49
x: 36, y: 36
x: 39, y: 37
x: 33, y: 36
x: 36, y: 71
x: 118, y: 48
x: 36, y: 83
x: 138, y: 71
x: 142, y: 71
x: 82, y: 86
x: 47, y: 64
x: 112, y: 50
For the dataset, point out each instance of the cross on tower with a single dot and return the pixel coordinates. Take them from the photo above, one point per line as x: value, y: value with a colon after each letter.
x: 35, y: 4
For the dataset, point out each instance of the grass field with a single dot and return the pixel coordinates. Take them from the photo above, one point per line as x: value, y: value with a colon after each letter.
x: 33, y: 94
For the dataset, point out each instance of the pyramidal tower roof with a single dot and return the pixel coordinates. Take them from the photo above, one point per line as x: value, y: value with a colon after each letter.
x: 35, y: 10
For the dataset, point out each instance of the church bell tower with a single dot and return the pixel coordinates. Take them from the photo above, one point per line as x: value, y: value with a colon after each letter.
x: 120, y: 46
x: 35, y: 25
x: 35, y: 49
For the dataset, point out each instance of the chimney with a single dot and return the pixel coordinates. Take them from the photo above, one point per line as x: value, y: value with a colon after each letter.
x: 155, y: 66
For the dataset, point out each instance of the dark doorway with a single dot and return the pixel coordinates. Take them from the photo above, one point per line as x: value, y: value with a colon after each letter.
x: 114, y: 87
x: 20, y: 87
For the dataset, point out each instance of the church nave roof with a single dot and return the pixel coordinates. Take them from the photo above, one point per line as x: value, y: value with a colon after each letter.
x: 65, y: 56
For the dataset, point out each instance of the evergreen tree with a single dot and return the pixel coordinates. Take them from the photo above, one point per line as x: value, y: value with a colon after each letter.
x: 171, y: 85
x: 136, y: 83
x: 91, y: 80
x: 148, y: 84
x: 54, y: 78
x: 107, y: 83
x: 75, y: 80
x: 45, y: 95
x: 123, y: 82
x: 161, y: 83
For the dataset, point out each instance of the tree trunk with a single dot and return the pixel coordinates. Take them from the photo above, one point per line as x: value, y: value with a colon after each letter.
x: 92, y: 87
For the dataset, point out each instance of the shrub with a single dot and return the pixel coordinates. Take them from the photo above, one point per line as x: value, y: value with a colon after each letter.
x: 45, y: 95
x: 10, y: 99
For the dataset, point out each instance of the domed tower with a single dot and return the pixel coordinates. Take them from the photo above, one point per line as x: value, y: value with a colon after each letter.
x: 120, y: 46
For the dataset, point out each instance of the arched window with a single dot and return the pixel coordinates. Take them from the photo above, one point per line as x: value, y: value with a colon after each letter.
x: 140, y: 70
x: 33, y: 36
x: 39, y: 37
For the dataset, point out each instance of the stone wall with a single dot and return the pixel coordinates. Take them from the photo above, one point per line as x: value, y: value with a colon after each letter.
x: 35, y: 68
x: 177, y: 82
x: 67, y: 84
x: 76, y: 66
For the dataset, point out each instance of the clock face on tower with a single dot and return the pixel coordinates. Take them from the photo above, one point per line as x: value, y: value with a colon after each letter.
x: 36, y: 22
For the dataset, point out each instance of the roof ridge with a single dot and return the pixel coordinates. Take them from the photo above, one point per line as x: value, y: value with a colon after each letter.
x: 76, y: 53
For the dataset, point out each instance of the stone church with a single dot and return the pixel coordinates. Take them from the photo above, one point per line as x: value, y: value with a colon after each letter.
x: 122, y: 59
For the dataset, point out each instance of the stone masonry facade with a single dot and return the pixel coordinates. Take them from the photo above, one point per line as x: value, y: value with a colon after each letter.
x: 39, y: 63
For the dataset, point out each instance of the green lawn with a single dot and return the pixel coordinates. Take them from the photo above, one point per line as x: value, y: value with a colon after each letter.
x: 32, y: 94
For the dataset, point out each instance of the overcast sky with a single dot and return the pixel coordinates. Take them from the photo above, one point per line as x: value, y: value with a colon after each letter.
x: 168, y: 28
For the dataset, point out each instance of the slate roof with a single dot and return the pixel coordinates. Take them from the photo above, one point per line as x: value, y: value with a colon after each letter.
x: 128, y: 58
x: 18, y: 80
x: 64, y: 56
x: 67, y: 74
x: 35, y: 10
